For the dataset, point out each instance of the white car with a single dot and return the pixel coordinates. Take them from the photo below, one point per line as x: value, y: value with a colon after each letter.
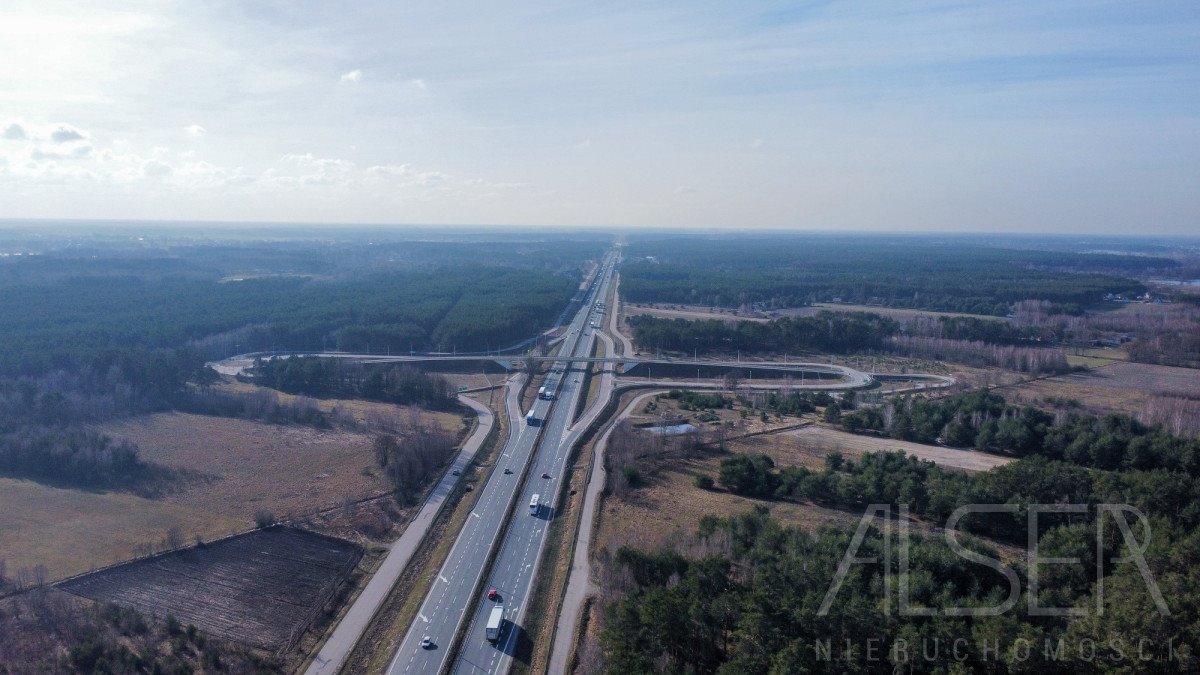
x: 426, y: 642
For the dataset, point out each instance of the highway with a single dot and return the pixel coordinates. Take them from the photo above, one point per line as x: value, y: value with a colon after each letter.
x: 453, y: 597
x: 337, y: 648
x: 516, y: 565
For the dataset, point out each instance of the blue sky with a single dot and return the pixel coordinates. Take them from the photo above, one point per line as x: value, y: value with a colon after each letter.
x: 1021, y: 115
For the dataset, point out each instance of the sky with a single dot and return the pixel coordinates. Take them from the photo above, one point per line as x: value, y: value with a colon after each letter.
x: 1078, y: 116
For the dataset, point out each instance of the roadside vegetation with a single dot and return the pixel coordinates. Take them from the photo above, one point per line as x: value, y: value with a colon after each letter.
x: 48, y: 631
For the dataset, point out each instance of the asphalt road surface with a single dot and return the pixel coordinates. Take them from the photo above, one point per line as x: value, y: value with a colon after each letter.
x: 515, y: 567
x: 339, y: 645
x: 453, y: 598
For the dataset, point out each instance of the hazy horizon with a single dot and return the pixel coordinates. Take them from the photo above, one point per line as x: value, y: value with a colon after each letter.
x: 1069, y: 117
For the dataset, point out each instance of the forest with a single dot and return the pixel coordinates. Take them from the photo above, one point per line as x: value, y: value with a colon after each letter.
x: 742, y: 594
x: 985, y: 421
x: 958, y: 274
x: 968, y: 340
x: 70, y: 323
x: 750, y: 603
x: 334, y: 378
x: 99, y: 329
x: 837, y: 332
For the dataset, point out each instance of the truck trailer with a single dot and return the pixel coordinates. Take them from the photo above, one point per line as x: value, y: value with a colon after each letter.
x: 495, y: 622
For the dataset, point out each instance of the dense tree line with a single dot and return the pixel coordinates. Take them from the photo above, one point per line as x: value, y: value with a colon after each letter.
x: 837, y: 332
x: 985, y: 421
x: 69, y: 324
x: 76, y: 457
x: 751, y: 603
x: 1035, y: 360
x: 335, y: 378
x: 978, y: 342
x: 917, y: 272
x: 970, y: 328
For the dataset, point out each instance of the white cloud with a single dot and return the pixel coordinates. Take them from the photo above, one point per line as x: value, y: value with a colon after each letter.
x: 756, y: 143
x: 352, y: 76
x: 684, y: 190
x: 155, y: 168
x: 195, y: 130
x: 80, y: 152
x: 66, y: 133
x: 406, y: 175
x: 14, y: 132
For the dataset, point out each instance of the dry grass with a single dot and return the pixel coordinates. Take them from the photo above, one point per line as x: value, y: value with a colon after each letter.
x: 1119, y: 387
x: 248, y: 466
x: 71, y: 531
x: 235, y: 468
x: 670, y: 508
x: 809, y: 446
x: 893, y: 312
x: 690, y: 312
x: 364, y: 412
x: 1152, y: 379
x: 1087, y: 361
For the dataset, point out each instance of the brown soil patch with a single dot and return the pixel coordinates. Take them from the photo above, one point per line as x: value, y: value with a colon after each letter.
x: 262, y: 588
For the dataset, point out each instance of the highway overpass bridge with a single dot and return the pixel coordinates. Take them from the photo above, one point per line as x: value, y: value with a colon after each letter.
x: 622, y: 364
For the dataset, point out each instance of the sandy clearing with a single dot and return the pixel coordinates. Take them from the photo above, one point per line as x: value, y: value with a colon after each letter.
x: 804, y: 445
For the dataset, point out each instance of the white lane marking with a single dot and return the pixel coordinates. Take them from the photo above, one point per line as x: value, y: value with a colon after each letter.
x: 475, y: 514
x: 424, y: 618
x: 444, y: 579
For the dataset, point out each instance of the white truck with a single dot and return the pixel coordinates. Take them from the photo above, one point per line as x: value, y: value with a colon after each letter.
x: 535, y: 505
x: 495, y: 622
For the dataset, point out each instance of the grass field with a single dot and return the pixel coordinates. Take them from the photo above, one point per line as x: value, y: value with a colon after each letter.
x: 670, y: 507
x: 1117, y: 386
x: 247, y: 466
x: 234, y: 468
x: 809, y: 446
x: 70, y: 531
